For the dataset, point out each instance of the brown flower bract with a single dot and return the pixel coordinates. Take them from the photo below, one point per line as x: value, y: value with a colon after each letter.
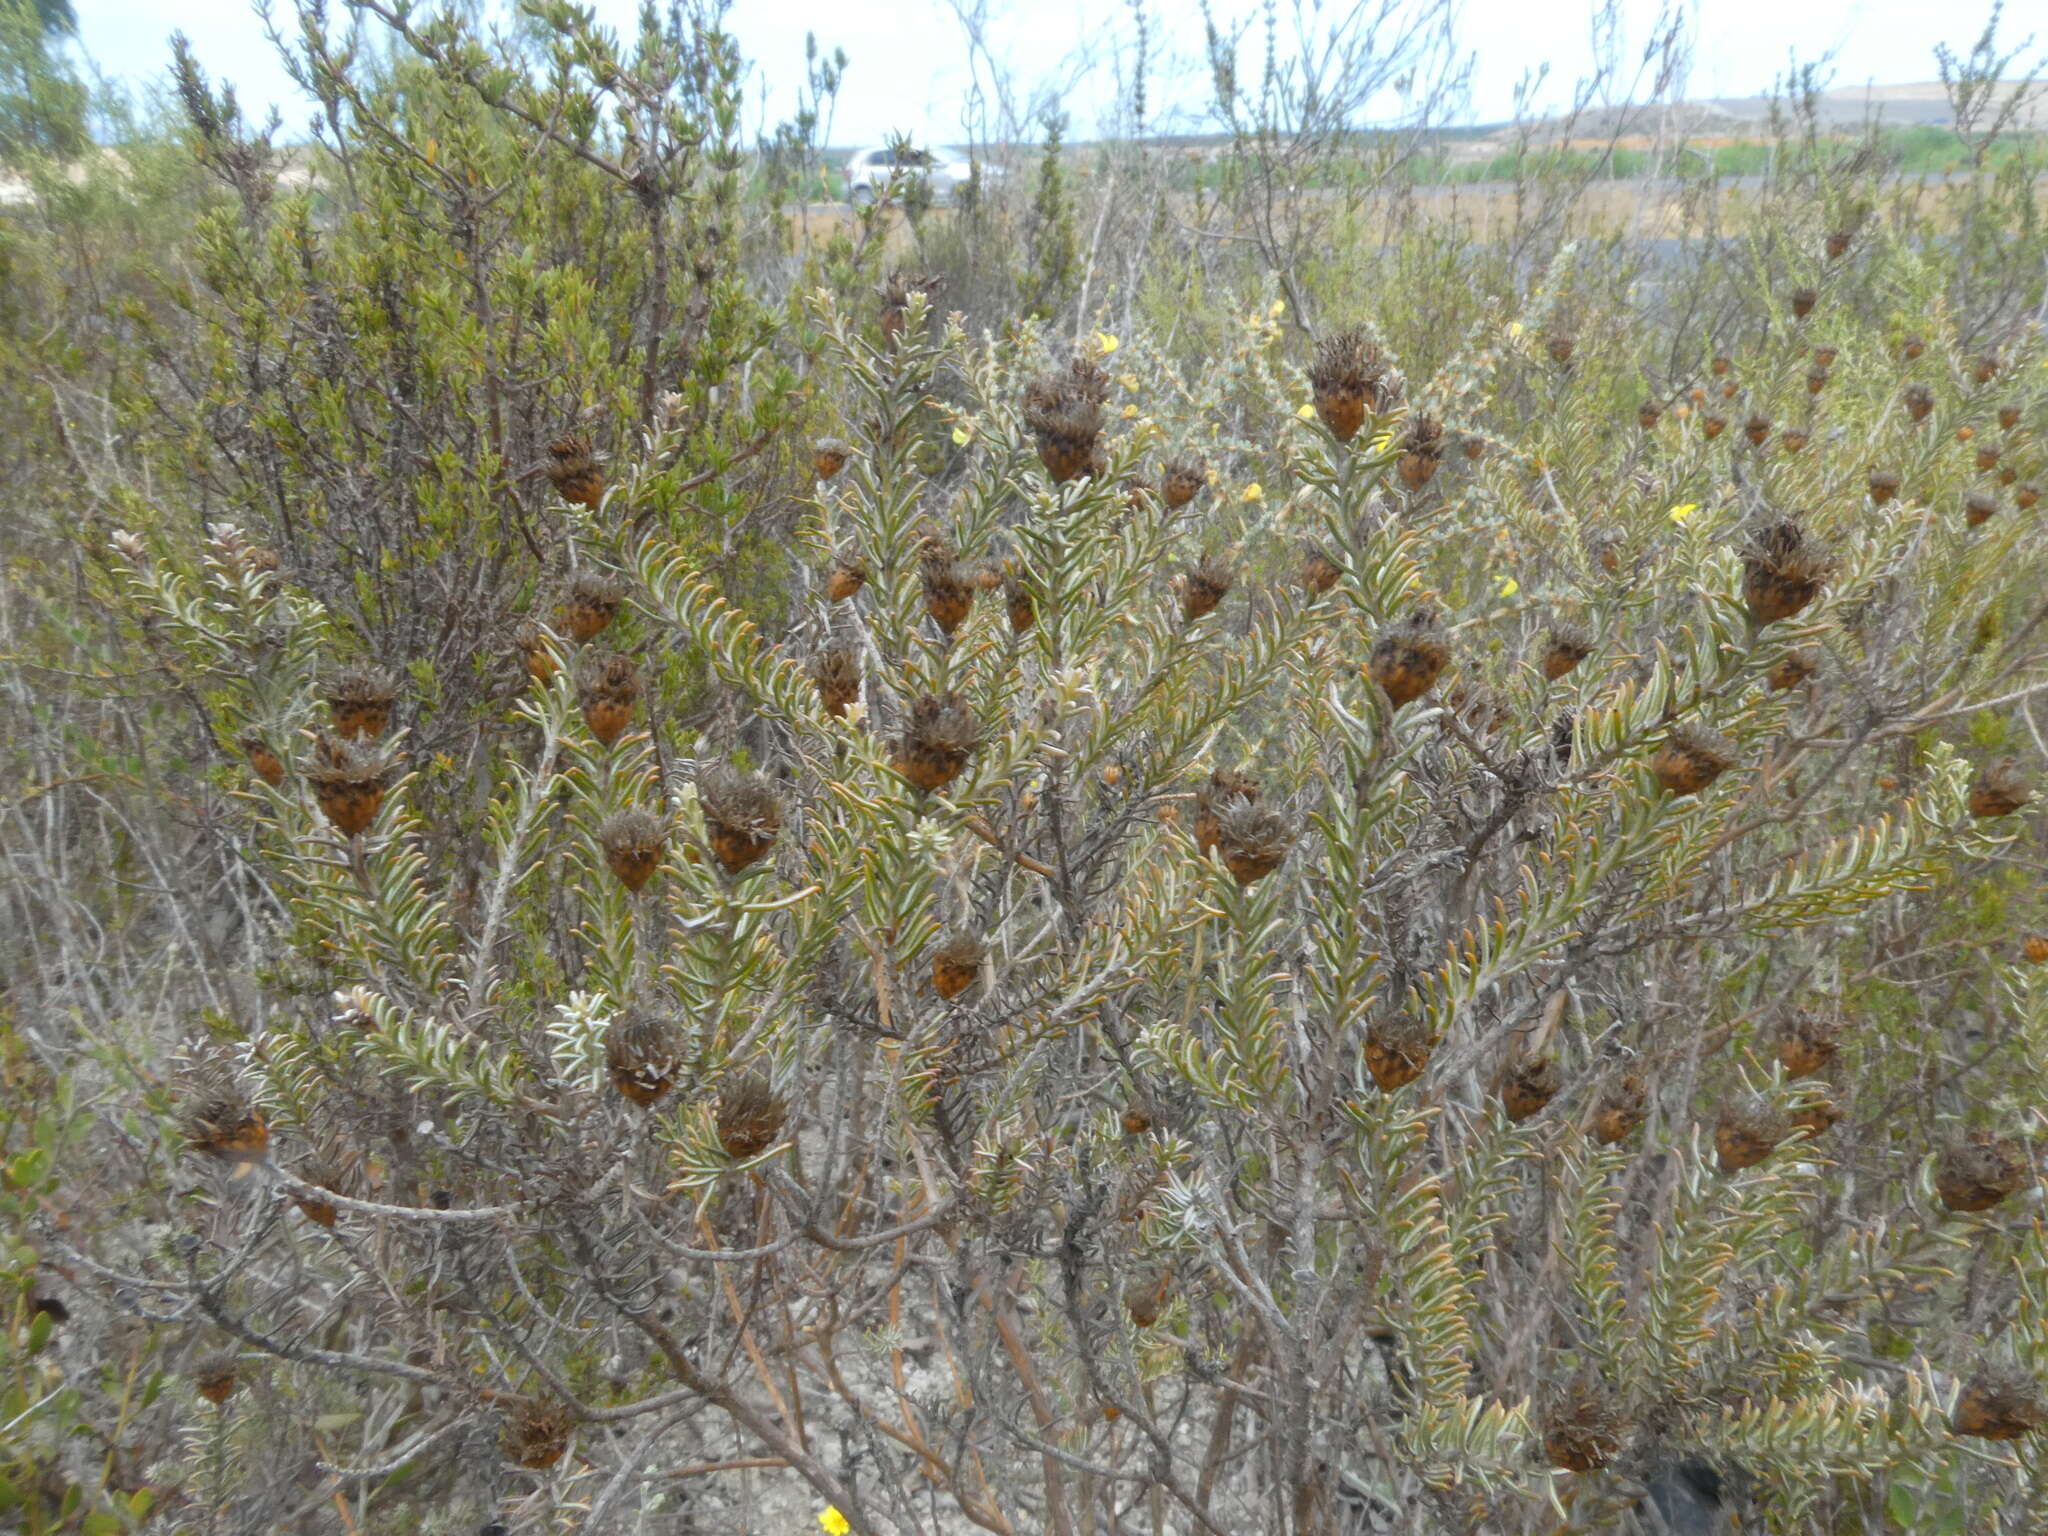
x: 1063, y: 412
x: 1783, y: 571
x: 742, y: 815
x: 938, y: 736
x: 1350, y: 376
x: 1408, y: 657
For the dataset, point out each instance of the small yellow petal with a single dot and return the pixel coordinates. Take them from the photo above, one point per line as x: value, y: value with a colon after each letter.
x: 1130, y: 413
x: 1514, y: 327
x: 1279, y: 308
x: 1106, y: 343
x: 1510, y: 587
x: 1680, y: 513
x: 834, y: 1521
x: 960, y: 436
x: 1129, y: 381
x: 1253, y: 492
x: 1307, y: 412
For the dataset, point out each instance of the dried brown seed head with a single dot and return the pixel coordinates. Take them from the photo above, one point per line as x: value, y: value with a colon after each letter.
x: 2000, y: 1402
x: 1181, y: 480
x: 1987, y: 368
x: 642, y: 1055
x: 220, y: 1121
x: 949, y: 584
x: 1621, y: 1107
x: 1757, y: 429
x: 939, y: 734
x: 1319, y: 572
x: 1397, y: 1047
x: 1911, y: 348
x: 1792, y: 669
x: 1919, y: 401
x: 572, y: 470
x: 263, y: 759
x: 633, y: 843
x: 1408, y: 657
x: 1204, y: 586
x: 846, y: 577
x: 1803, y: 301
x: 537, y: 1434
x: 1980, y: 1172
x: 2026, y: 496
x: 2008, y: 417
x: 1560, y: 345
x: 829, y: 456
x: 1747, y: 1132
x: 1063, y: 411
x: 1816, y: 1117
x: 956, y: 965
x: 1422, y: 449
x: 1226, y: 788
x: 1528, y: 1085
x: 1648, y: 414
x: 1884, y: 485
x: 348, y: 781
x: 215, y: 1376
x: 608, y: 685
x: 1254, y: 840
x: 836, y: 671
x: 1999, y: 790
x: 359, y: 699
x: 896, y: 293
x: 1979, y: 507
x: 1713, y: 426
x: 1350, y: 376
x: 1146, y: 1298
x: 531, y: 644
x: 328, y: 1175
x: 742, y: 815
x: 750, y: 1117
x: 1837, y: 245
x: 1582, y: 1426
x: 1794, y: 440
x: 1806, y: 1042
x: 591, y: 603
x: 1691, y: 758
x: 1021, y: 605
x: 1783, y: 571
x: 1567, y: 646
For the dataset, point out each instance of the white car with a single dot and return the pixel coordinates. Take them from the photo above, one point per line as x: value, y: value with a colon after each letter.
x: 876, y: 175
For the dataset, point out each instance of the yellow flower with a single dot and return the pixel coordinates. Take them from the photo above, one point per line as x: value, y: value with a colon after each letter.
x: 1680, y: 513
x: 1307, y: 411
x: 1279, y: 308
x: 834, y: 1521
x: 960, y: 436
x: 1130, y: 413
x: 1510, y: 587
x: 1129, y: 381
x: 1253, y: 492
x: 1514, y: 328
x: 1106, y: 343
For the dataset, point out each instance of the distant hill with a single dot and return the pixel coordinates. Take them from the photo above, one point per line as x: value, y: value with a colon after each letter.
x: 1846, y: 108
x: 1924, y: 103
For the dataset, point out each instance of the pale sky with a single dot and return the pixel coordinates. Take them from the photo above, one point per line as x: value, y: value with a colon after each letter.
x: 908, y: 64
